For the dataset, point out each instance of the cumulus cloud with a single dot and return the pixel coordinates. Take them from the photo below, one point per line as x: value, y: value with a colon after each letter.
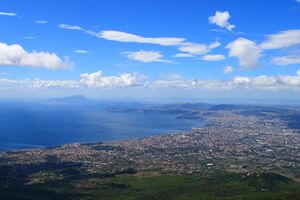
x: 195, y: 48
x: 177, y: 83
x: 41, y: 21
x: 98, y: 80
x: 286, y: 60
x: 146, y: 56
x: 221, y: 19
x: 260, y: 82
x: 280, y: 82
x: 14, y: 54
x: 246, y: 51
x: 270, y: 82
x: 213, y: 57
x: 70, y: 27
x: 191, y: 84
x: 10, y: 14
x: 128, y: 37
x: 282, y: 39
x: 249, y: 53
x: 227, y: 69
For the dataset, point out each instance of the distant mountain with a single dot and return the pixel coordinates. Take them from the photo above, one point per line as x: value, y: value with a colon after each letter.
x: 72, y: 99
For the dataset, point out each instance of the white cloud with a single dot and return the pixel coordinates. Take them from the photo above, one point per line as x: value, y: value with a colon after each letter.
x: 192, y: 84
x: 227, y: 69
x: 183, y: 55
x: 213, y: 57
x: 286, y: 60
x: 81, y: 51
x: 246, y: 51
x: 195, y: 48
x: 10, y: 14
x: 41, y: 21
x: 146, y: 56
x: 173, y: 76
x: 37, y: 83
x: 70, y: 27
x: 128, y: 37
x: 282, y: 39
x: 15, y: 55
x: 221, y: 20
x: 29, y: 37
x: 177, y: 83
x: 187, y: 48
x: 249, y: 53
x: 279, y: 82
x: 259, y: 82
x: 98, y: 80
x: 270, y: 82
x: 291, y: 81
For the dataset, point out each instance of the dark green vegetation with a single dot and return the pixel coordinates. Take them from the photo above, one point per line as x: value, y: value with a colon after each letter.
x: 154, y: 186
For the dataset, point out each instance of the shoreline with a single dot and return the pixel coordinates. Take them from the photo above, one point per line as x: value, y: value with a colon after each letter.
x: 99, y: 142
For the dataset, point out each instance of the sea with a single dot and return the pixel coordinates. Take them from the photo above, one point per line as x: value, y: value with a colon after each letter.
x: 26, y: 125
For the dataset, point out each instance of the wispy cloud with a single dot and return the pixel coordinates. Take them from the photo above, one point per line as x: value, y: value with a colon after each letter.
x: 282, y: 39
x: 128, y: 37
x: 213, y: 57
x: 146, y: 56
x: 286, y: 60
x: 10, y: 14
x: 70, y: 27
x: 196, y: 48
x: 29, y: 37
x: 184, y: 55
x: 41, y: 21
x: 37, y: 83
x: 227, y: 69
x: 81, y: 51
x: 189, y: 49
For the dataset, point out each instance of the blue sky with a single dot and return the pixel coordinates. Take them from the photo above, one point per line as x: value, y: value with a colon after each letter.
x: 150, y: 49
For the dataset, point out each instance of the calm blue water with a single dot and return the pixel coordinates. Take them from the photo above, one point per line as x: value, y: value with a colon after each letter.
x: 29, y: 125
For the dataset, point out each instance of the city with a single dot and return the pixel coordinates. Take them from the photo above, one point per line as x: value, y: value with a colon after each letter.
x: 236, y: 139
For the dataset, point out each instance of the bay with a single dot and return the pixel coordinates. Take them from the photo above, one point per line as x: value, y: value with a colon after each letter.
x: 32, y: 125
